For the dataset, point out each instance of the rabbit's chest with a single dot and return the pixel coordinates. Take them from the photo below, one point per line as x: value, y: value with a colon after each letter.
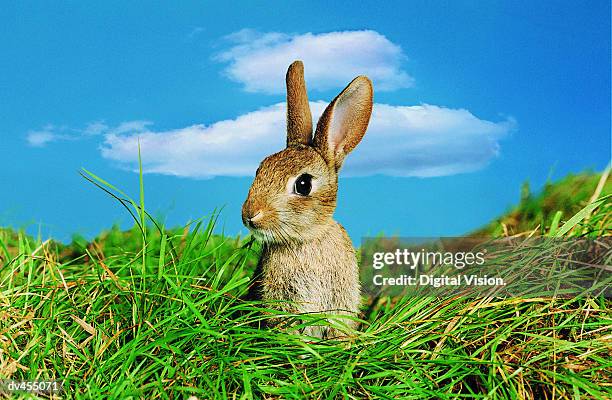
x: 317, y: 274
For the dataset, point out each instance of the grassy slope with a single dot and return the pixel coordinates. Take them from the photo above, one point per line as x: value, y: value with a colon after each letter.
x: 116, y: 319
x: 537, y: 211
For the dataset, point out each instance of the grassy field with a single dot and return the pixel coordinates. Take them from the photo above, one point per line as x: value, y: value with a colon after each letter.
x: 156, y: 313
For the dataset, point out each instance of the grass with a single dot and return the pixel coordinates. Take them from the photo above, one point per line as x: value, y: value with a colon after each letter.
x: 557, y: 200
x: 156, y: 313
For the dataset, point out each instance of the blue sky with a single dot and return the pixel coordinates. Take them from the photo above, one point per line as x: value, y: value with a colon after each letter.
x: 472, y: 99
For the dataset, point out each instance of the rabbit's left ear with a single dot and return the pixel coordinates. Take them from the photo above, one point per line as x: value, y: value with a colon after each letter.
x: 344, y: 121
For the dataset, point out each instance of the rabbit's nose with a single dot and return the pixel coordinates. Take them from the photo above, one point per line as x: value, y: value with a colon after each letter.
x: 250, y: 218
x: 256, y: 218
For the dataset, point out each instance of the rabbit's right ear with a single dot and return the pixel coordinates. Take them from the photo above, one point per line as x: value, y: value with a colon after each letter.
x: 299, y: 119
x: 344, y: 121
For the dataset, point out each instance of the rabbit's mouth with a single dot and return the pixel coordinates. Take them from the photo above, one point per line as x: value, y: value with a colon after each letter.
x: 263, y: 235
x: 276, y: 235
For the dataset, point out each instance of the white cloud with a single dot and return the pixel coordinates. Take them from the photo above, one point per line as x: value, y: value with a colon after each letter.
x: 422, y: 140
x: 259, y: 60
x: 95, y: 128
x: 42, y: 138
x: 130, y: 127
x: 51, y: 133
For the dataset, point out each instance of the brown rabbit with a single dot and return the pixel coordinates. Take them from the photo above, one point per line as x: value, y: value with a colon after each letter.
x: 307, y: 259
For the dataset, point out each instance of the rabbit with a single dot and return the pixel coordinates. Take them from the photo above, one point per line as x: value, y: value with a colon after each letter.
x: 308, y: 263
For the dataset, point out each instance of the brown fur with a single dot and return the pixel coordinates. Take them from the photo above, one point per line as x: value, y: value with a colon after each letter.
x: 354, y: 121
x: 308, y: 260
x: 299, y: 118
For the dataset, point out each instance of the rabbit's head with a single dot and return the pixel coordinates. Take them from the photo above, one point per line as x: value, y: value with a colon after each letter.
x: 293, y: 196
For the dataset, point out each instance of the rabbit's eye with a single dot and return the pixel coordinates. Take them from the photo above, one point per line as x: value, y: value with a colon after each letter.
x: 303, y: 185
